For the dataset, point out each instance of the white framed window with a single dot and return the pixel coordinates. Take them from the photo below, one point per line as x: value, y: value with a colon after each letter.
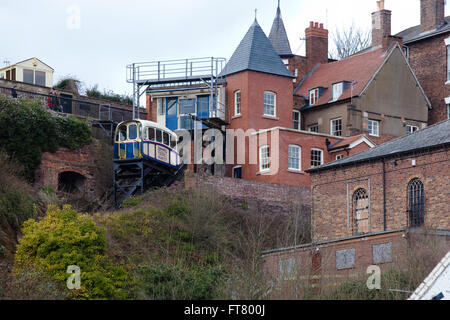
x: 316, y: 157
x: 161, y: 106
x: 448, y: 111
x: 411, y: 129
x: 314, y: 128
x: 448, y: 63
x: 237, y: 103
x: 296, y: 119
x: 338, y: 89
x: 264, y: 158
x: 270, y: 101
x: 374, y: 128
x: 336, y: 127
x: 339, y: 157
x: 294, y: 157
x: 313, y: 96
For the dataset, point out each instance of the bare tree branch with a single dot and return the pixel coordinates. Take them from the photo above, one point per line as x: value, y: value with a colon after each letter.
x: 349, y: 41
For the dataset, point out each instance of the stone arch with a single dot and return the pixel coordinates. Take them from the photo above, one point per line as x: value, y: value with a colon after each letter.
x: 71, y: 181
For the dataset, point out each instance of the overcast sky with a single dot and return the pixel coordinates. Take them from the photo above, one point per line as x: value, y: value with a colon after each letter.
x: 96, y: 45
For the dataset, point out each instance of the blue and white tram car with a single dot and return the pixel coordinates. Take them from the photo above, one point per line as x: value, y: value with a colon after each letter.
x: 140, y: 139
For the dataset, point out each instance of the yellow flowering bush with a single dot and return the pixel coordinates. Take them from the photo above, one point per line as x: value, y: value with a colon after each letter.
x: 65, y: 238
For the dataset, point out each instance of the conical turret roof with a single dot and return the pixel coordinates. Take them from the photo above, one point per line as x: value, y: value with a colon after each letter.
x: 278, y: 36
x: 256, y: 53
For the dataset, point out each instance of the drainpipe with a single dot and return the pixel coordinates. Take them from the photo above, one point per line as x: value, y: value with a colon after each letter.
x: 384, y: 194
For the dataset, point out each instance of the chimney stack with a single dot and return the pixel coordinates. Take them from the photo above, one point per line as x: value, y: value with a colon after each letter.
x: 432, y: 14
x: 381, y: 24
x: 316, y: 45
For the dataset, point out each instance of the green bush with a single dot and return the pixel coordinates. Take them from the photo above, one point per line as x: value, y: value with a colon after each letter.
x: 94, y: 92
x: 27, y: 130
x: 64, y: 238
x: 131, y: 202
x: 164, y: 282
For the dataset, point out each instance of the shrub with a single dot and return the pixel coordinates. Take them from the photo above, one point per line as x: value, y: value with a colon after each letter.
x: 17, y: 203
x: 164, y: 282
x: 131, y: 202
x: 63, y: 238
x: 94, y: 92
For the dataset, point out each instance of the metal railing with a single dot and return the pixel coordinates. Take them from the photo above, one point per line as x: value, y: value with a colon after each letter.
x: 66, y: 104
x: 176, y: 70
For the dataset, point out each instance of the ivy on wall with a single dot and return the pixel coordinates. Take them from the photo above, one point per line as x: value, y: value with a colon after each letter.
x: 27, y: 130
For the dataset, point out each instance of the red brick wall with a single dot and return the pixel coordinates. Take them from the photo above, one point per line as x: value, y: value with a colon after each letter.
x: 329, y: 190
x: 280, y: 197
x: 252, y: 85
x: 428, y: 59
x: 432, y: 14
x: 406, y: 248
x: 52, y: 164
x: 316, y: 45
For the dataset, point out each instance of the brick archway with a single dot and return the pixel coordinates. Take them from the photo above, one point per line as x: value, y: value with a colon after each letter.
x: 71, y: 182
x: 79, y: 164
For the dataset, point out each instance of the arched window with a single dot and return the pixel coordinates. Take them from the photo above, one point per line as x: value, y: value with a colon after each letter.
x: 361, y: 211
x: 416, y: 202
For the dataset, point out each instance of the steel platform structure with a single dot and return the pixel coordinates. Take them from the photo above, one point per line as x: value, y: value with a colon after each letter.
x: 131, y: 176
x: 185, y: 74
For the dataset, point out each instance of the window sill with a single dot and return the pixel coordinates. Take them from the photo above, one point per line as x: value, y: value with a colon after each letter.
x: 236, y: 116
x: 374, y: 135
x: 296, y: 171
x: 264, y: 172
x: 447, y: 83
x: 270, y: 117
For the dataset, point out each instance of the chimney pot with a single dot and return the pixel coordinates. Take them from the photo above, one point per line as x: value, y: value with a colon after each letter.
x: 311, y: 24
x: 316, y: 25
x: 321, y: 26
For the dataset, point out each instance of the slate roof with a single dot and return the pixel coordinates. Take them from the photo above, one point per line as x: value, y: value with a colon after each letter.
x: 278, y: 36
x: 359, y: 68
x: 432, y: 136
x: 414, y: 33
x: 256, y: 53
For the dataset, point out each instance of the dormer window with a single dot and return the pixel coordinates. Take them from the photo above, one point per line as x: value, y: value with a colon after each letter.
x: 313, y: 96
x: 338, y: 89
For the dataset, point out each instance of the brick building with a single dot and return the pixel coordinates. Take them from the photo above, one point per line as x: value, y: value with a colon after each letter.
x: 374, y: 92
x: 427, y: 47
x: 256, y: 89
x: 366, y: 208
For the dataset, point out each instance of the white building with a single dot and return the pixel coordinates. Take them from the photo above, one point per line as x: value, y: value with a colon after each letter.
x: 31, y: 71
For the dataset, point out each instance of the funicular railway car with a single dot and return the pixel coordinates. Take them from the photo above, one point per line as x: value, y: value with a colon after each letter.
x: 140, y: 139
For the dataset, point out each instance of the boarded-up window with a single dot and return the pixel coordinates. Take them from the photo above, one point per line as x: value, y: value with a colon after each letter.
x: 382, y: 253
x: 345, y: 259
x: 287, y: 269
x: 361, y: 211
